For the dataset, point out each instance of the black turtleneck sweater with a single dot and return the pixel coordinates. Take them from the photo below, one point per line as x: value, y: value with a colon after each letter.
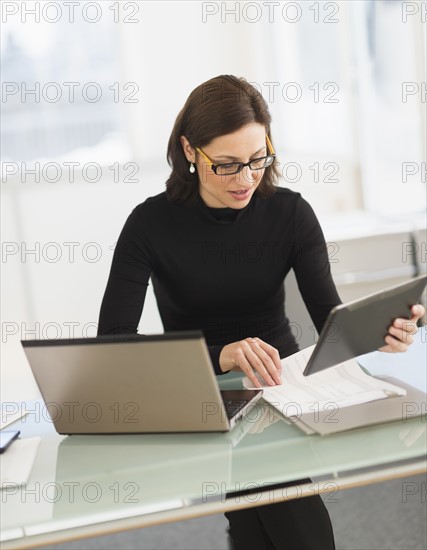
x: 219, y: 270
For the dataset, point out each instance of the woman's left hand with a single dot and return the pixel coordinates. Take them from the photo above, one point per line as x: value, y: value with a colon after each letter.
x: 401, y: 332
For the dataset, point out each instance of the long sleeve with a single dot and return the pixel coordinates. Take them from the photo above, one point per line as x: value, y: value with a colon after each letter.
x: 215, y: 352
x: 312, y: 267
x: 127, y: 284
x: 124, y: 297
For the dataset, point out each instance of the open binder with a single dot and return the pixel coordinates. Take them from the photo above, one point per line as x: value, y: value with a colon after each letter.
x: 396, y: 408
x: 340, y: 398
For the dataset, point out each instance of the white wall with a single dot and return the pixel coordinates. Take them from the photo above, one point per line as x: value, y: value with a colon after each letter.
x: 58, y: 292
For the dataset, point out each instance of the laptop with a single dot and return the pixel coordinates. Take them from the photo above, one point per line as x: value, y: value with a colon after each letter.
x: 134, y: 384
x: 359, y: 327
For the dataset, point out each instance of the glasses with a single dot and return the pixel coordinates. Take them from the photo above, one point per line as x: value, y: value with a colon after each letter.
x: 231, y: 168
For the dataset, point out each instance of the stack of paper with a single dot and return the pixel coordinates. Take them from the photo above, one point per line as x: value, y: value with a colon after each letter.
x: 17, y: 461
x: 344, y: 385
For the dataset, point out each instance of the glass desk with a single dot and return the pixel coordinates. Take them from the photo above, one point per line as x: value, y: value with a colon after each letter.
x: 83, y: 486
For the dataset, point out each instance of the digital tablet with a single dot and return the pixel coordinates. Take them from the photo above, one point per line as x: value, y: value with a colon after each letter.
x: 360, y: 326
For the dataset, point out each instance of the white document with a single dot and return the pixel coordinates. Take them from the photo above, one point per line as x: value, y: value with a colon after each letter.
x: 17, y: 461
x: 344, y: 385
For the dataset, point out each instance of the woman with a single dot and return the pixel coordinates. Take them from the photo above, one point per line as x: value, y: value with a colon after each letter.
x: 218, y: 244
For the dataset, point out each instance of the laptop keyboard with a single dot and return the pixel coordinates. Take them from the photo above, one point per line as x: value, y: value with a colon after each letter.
x: 232, y: 407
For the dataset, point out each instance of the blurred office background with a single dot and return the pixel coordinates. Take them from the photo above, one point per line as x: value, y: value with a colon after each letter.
x: 88, y: 103
x: 345, y: 82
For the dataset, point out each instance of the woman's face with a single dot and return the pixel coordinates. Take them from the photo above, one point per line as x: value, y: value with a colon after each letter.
x: 232, y: 191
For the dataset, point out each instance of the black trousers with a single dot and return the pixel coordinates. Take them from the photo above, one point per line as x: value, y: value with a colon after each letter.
x: 298, y: 524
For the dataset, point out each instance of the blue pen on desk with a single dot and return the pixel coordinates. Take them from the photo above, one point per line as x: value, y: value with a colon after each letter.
x: 6, y: 438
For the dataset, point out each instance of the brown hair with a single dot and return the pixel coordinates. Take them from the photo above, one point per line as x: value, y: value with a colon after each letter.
x: 219, y: 106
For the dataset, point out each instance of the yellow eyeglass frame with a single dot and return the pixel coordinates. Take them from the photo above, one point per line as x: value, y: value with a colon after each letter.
x: 242, y: 165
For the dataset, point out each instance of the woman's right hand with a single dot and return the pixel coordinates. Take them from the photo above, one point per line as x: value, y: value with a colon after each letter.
x: 252, y: 355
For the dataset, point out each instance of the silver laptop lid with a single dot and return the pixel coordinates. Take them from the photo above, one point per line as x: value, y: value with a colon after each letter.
x: 128, y: 384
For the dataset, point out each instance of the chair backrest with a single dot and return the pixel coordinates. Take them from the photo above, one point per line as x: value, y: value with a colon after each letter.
x: 359, y: 266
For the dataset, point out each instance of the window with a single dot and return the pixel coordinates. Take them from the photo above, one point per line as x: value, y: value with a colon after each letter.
x: 60, y: 84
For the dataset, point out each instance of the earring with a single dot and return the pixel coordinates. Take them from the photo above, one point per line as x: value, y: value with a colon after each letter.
x: 192, y: 169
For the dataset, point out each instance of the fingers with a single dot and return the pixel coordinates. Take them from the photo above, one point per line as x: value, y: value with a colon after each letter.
x: 394, y: 345
x: 401, y: 332
x: 417, y: 311
x: 404, y: 333
x: 248, y: 362
x: 264, y: 359
x: 255, y: 358
x: 271, y: 352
